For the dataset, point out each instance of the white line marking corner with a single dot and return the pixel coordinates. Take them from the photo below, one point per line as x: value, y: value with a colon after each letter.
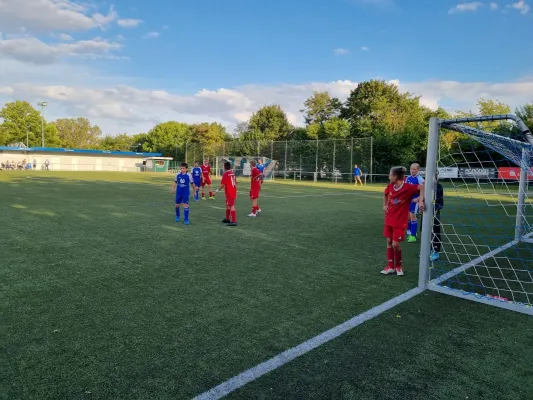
x: 281, y: 359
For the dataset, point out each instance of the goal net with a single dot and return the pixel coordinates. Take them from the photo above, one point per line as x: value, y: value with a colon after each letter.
x: 479, y: 246
x: 241, y: 165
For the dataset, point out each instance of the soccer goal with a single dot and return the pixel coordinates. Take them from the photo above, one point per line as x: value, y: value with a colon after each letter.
x: 241, y: 165
x: 480, y: 245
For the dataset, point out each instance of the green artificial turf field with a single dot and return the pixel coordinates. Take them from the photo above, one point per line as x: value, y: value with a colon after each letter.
x: 105, y: 296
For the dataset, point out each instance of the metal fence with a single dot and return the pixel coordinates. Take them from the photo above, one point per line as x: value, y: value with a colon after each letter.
x: 302, y: 159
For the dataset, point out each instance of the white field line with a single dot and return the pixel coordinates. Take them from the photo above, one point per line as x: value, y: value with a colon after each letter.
x: 281, y: 359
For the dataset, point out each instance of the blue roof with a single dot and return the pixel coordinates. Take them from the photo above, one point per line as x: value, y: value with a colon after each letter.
x: 80, y: 151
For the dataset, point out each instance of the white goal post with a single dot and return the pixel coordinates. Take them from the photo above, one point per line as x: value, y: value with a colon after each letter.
x: 480, y: 246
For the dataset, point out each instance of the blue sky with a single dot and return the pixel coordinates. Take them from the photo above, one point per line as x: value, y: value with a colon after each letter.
x: 213, y: 43
x: 102, y: 60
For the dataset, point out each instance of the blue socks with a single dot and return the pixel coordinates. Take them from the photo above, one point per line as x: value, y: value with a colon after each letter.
x: 186, y: 213
x: 196, y: 195
x: 409, y: 227
x: 177, y: 212
x: 414, y: 228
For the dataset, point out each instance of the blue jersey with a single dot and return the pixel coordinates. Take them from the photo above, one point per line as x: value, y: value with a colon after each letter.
x: 261, y: 167
x: 357, y: 171
x: 183, y: 184
x: 415, y: 180
x: 197, y: 175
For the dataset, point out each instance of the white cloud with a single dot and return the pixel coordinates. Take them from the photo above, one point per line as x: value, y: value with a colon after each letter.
x: 63, y: 37
x: 31, y: 49
x: 151, y: 35
x: 521, y: 6
x: 43, y: 16
x: 365, y: 48
x: 463, y: 7
x: 341, y: 51
x: 124, y: 107
x: 165, y: 27
x: 129, y: 23
x: 494, y: 6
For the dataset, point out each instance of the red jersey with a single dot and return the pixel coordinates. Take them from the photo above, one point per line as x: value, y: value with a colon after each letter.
x: 230, y: 184
x: 206, y: 170
x: 255, y: 181
x: 400, y: 199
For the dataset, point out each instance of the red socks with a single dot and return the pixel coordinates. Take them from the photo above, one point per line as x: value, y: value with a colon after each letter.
x: 390, y: 257
x: 394, y: 258
x: 234, y: 216
x: 210, y: 194
x: 227, y: 213
x: 398, y: 259
x: 254, y: 209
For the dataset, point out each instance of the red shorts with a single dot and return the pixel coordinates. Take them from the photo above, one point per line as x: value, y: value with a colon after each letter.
x: 254, y: 194
x: 207, y: 180
x: 395, y: 234
x: 230, y: 202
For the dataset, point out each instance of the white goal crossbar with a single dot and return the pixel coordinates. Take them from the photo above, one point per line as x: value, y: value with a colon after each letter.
x: 517, y: 153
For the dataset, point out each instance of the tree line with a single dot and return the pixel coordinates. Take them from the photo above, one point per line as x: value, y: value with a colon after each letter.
x: 397, y: 122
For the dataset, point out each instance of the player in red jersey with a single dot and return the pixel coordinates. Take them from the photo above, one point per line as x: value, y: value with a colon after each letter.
x: 255, y: 187
x: 229, y: 183
x: 396, y: 201
x: 206, y: 175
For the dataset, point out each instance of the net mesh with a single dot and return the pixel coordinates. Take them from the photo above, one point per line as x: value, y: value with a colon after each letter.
x: 293, y: 159
x: 484, y: 233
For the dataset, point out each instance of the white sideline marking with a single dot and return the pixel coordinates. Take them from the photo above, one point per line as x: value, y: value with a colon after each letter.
x: 265, y: 367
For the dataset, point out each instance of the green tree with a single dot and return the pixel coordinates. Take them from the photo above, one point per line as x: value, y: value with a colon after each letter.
x: 122, y: 142
x: 378, y: 106
x: 168, y: 138
x: 525, y: 113
x: 208, y: 134
x: 51, y: 136
x: 334, y: 128
x: 320, y: 107
x: 268, y: 123
x: 21, y: 122
x: 78, y: 133
x: 396, y: 121
x: 298, y: 133
x: 494, y: 107
x: 138, y: 142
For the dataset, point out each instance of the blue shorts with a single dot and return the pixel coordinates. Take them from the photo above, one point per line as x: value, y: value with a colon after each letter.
x: 182, y: 199
x: 197, y: 184
x: 413, y: 207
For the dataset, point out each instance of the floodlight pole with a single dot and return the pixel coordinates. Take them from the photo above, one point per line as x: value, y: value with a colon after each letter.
x: 27, y: 135
x: 371, y: 159
x: 43, y: 104
x: 429, y: 187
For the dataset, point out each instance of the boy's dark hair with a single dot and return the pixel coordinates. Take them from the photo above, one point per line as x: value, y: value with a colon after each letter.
x: 399, y: 172
x: 227, y: 165
x: 197, y: 162
x: 184, y: 164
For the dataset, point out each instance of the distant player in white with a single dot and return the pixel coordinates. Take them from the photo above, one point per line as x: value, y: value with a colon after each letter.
x: 412, y: 225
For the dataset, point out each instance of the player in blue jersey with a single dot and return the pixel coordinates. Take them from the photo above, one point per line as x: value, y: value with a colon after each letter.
x: 412, y: 225
x: 260, y: 166
x: 197, y: 177
x: 182, y: 188
x: 357, y: 175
